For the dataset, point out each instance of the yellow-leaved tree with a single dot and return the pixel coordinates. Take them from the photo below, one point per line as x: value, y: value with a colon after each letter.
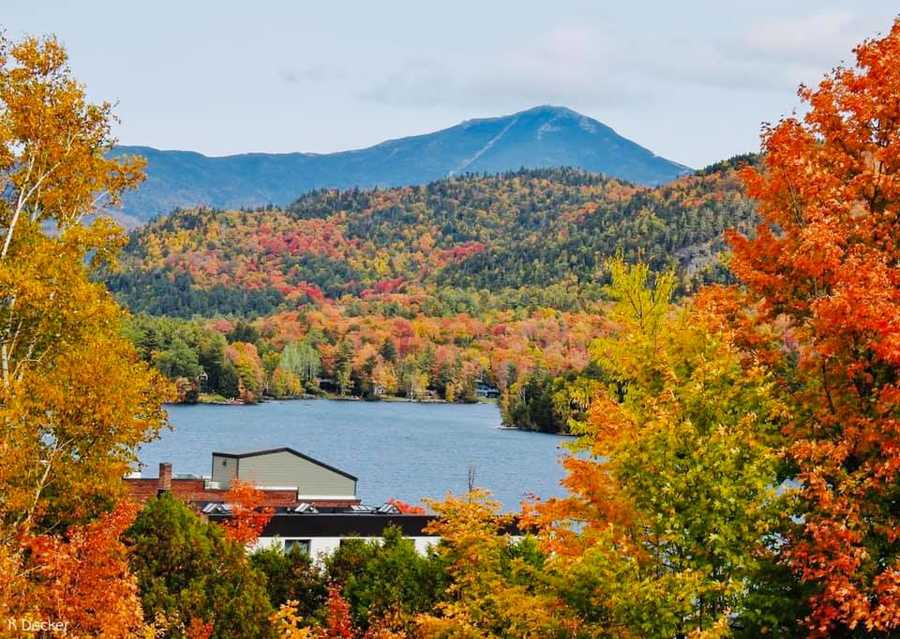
x: 497, y: 585
x: 672, y: 514
x: 75, y: 401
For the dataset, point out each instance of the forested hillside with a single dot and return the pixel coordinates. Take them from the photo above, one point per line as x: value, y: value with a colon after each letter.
x: 419, y: 292
x: 534, y: 238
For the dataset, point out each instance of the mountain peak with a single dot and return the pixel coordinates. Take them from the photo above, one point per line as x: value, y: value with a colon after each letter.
x: 551, y: 109
x: 539, y: 137
x: 535, y: 111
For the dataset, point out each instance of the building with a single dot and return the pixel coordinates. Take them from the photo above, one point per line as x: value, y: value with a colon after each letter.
x: 286, y: 477
x: 486, y: 391
x: 321, y: 531
x: 315, y: 505
x: 281, y: 468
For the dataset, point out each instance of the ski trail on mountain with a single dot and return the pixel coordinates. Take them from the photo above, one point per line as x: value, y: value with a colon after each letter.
x: 482, y: 150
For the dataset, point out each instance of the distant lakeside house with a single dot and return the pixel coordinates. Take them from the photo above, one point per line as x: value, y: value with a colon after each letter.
x: 484, y: 390
x: 315, y: 505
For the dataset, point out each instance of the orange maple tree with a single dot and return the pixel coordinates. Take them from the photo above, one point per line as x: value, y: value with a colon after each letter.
x: 84, y: 578
x: 249, y: 514
x: 823, y: 276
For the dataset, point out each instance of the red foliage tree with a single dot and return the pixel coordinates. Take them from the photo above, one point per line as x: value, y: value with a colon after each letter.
x: 198, y: 629
x: 823, y: 273
x: 338, y: 624
x: 406, y: 508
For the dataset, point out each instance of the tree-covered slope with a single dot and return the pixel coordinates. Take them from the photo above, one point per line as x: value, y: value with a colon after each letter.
x: 529, y: 238
x: 540, y: 137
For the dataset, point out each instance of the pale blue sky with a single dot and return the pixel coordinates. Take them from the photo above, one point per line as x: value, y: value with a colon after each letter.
x: 691, y: 80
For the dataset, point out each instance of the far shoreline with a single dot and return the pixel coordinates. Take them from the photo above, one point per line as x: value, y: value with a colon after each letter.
x: 389, y: 400
x: 208, y: 399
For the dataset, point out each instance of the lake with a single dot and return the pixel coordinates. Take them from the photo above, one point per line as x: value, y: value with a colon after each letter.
x: 396, y: 449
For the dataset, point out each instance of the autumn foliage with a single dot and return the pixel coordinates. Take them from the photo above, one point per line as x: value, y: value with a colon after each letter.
x: 84, y: 579
x: 75, y: 401
x: 534, y: 237
x: 823, y: 276
x: 671, y: 505
x: 249, y: 513
x: 735, y: 466
x: 406, y: 508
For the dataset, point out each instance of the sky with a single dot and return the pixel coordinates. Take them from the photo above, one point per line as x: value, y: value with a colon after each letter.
x: 691, y: 80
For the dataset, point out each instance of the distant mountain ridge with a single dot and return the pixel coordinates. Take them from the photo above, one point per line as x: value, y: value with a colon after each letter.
x: 541, y: 137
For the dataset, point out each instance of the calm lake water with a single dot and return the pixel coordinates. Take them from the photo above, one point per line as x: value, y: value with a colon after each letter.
x: 403, y: 450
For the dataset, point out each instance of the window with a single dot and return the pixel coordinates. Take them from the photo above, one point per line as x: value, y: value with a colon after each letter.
x: 303, y: 544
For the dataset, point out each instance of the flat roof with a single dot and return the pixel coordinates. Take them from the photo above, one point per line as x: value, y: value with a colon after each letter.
x: 287, y: 524
x: 344, y: 524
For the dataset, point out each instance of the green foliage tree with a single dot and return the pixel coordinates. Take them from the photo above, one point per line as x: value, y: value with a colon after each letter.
x: 391, y: 578
x: 292, y: 576
x: 550, y: 403
x: 243, y: 332
x: 674, y: 514
x: 528, y: 403
x: 211, y: 357
x: 229, y: 380
x: 178, y: 361
x: 183, y: 349
x: 302, y: 359
x: 344, y: 368
x: 188, y: 569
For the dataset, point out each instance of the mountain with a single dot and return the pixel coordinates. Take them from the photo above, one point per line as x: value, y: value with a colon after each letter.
x: 472, y: 243
x: 541, y: 137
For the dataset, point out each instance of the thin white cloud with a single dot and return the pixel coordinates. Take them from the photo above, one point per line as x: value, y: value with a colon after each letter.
x: 597, y: 68
x: 789, y: 51
x: 565, y: 65
x: 813, y: 39
x: 312, y: 75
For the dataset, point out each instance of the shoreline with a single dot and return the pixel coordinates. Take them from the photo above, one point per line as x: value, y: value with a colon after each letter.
x: 215, y: 400
x: 209, y: 401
